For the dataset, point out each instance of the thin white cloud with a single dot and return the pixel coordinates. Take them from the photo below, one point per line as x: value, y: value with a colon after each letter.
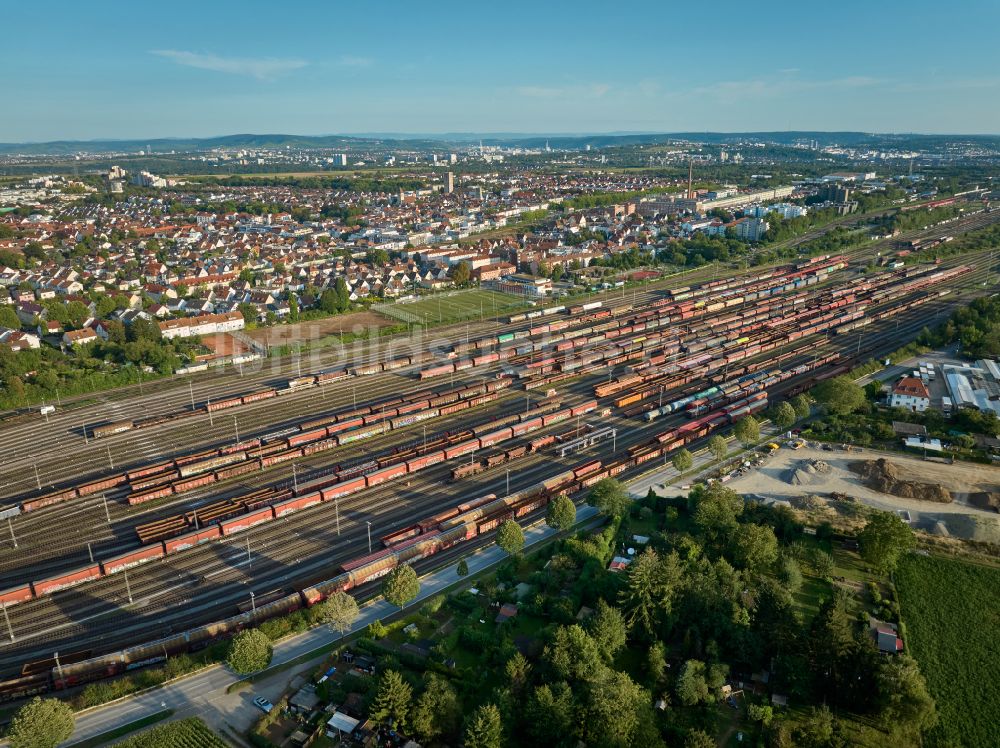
x: 350, y: 61
x: 592, y: 91
x: 784, y: 86
x: 261, y: 68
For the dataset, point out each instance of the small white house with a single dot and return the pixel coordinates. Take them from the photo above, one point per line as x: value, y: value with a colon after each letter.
x: 910, y: 393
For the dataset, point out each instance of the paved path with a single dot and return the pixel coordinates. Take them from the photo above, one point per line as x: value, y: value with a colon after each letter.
x: 204, y: 693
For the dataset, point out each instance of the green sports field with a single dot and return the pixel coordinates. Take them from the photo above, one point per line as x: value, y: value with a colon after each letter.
x: 455, y: 307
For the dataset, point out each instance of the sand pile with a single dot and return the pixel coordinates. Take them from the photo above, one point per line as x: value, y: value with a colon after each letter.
x: 808, y: 473
x: 986, y: 500
x: 883, y: 476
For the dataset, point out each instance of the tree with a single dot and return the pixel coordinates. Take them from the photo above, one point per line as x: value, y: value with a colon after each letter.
x: 517, y: 671
x: 617, y: 707
x: 573, y: 654
x: 142, y: 328
x: 8, y: 317
x: 699, y: 739
x: 790, y: 574
x: 801, y: 405
x: 762, y: 713
x: 329, y: 302
x: 904, y: 696
x: 552, y: 716
x: 816, y: 730
x: 393, y: 698
x: 716, y: 509
x: 610, y: 497
x: 249, y: 651
x: 437, y: 710
x: 683, y: 461
x: 884, y: 539
x: 608, y: 629
x: 718, y: 447
x: 484, y: 729
x: 510, y: 537
x: 461, y: 274
x: 41, y: 723
x: 293, y: 308
x: 561, y: 513
x: 377, y: 257
x: 339, y: 611
x: 249, y: 312
x: 692, y: 687
x: 747, y: 430
x: 839, y: 395
x: 401, y: 585
x: 656, y: 662
x: 343, y: 295
x: 783, y: 416
x: 462, y: 569
x: 650, y: 587
x: 754, y: 547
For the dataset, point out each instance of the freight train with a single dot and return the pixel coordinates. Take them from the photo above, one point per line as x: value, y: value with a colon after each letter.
x: 250, y: 513
x: 461, y: 523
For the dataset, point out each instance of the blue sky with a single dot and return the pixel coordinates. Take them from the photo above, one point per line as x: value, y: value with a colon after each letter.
x: 108, y: 69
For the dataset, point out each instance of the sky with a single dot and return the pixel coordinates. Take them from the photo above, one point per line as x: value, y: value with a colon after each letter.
x: 109, y: 69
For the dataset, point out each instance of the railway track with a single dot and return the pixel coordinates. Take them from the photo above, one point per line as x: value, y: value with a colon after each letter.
x: 167, y: 596
x: 62, y: 436
x: 162, y: 587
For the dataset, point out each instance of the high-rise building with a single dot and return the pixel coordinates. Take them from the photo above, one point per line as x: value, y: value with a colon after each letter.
x: 340, y: 159
x: 449, y: 182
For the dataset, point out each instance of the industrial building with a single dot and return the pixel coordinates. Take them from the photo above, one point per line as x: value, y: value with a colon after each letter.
x: 974, y: 386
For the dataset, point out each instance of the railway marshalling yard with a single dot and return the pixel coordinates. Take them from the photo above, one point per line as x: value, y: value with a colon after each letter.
x: 769, y: 345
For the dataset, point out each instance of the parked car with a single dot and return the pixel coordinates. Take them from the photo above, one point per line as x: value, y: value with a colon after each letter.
x: 263, y: 704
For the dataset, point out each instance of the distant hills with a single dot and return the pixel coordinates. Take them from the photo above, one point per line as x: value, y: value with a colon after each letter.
x: 414, y: 141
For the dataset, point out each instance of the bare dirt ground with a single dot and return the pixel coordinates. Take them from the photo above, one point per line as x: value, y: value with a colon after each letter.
x: 355, y: 322
x: 784, y: 476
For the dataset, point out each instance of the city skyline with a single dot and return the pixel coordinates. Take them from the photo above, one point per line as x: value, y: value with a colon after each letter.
x: 206, y: 71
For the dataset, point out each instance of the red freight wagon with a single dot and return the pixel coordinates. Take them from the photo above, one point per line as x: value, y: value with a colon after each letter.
x: 132, y: 558
x: 77, y: 576
x: 52, y: 498
x: 263, y: 395
x: 243, y: 467
x: 101, y: 485
x: 140, y: 497
x: 16, y: 595
x: 274, y: 459
x: 343, y: 488
x: 347, y: 423
x: 463, y: 448
x: 526, y: 426
x: 586, y: 469
x: 222, y: 404
x: 134, y: 475
x: 201, y: 480
x: 190, y: 539
x: 419, y: 463
x: 496, y: 436
x: 411, y: 407
x: 306, y: 436
x: 387, y: 473
x: 400, y: 535
x: 287, y: 506
x: 246, y: 521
